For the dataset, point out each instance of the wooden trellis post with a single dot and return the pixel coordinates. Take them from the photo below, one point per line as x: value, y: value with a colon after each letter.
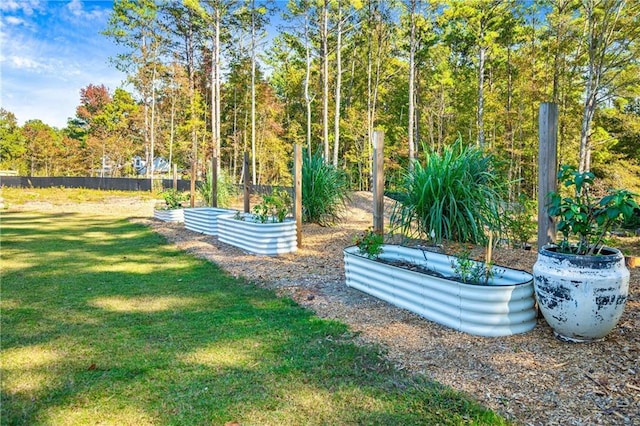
x: 214, y: 179
x: 297, y: 190
x: 547, y: 169
x: 378, y: 181
x: 247, y: 184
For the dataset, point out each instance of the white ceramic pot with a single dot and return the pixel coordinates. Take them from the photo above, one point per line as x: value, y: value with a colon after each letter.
x: 581, y: 297
x: 173, y: 215
x: 502, y: 307
x: 204, y: 219
x: 246, y: 233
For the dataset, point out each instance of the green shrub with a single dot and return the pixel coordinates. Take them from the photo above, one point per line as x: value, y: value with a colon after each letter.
x: 226, y: 189
x: 174, y: 198
x: 324, y: 191
x: 520, y: 226
x: 452, y: 195
x: 274, y: 207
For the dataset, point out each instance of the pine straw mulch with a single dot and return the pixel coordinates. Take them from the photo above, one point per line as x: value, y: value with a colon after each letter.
x: 532, y: 378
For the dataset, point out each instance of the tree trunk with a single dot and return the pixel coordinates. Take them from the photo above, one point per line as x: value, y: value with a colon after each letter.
x: 412, y: 71
x: 325, y: 79
x: 336, y: 124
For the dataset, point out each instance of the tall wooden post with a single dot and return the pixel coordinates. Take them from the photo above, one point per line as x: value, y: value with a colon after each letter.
x: 547, y: 169
x: 175, y: 177
x: 378, y: 182
x: 192, y: 193
x: 214, y: 179
x: 247, y: 184
x: 297, y: 191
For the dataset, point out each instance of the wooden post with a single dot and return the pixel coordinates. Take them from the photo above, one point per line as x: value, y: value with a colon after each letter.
x: 175, y: 177
x: 192, y: 198
x: 547, y: 169
x: 214, y: 179
x: 247, y: 184
x: 297, y: 191
x: 378, y: 182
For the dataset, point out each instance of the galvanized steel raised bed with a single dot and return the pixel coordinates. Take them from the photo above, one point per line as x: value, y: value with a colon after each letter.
x: 246, y: 233
x: 204, y: 219
x: 502, y: 307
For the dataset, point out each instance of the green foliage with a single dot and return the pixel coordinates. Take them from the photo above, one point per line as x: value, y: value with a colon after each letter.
x: 470, y: 271
x: 521, y: 227
x: 173, y: 198
x: 453, y: 195
x: 225, y: 188
x: 585, y: 217
x: 274, y: 207
x: 369, y: 243
x: 324, y: 191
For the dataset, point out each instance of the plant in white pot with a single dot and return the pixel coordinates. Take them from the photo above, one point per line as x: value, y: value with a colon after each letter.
x: 268, y: 231
x: 582, y: 285
x: 172, y: 210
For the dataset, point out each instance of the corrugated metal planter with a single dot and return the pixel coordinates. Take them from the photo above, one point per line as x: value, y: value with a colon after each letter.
x: 172, y: 215
x: 581, y: 297
x: 270, y: 239
x: 503, y: 307
x: 204, y: 219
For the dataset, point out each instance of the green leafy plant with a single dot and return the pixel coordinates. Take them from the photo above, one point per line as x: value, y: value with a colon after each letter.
x: 520, y: 226
x: 324, y: 191
x: 456, y: 193
x: 584, y: 217
x: 173, y: 198
x: 225, y: 189
x: 275, y: 206
x: 369, y: 243
x: 470, y: 271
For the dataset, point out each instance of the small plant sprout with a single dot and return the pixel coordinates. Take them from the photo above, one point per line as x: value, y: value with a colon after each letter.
x: 369, y: 243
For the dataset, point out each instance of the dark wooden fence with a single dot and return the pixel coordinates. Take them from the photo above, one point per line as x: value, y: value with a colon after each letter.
x: 105, y: 183
x: 120, y: 184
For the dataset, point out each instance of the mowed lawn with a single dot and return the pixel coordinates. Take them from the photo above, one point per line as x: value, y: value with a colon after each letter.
x: 104, y: 323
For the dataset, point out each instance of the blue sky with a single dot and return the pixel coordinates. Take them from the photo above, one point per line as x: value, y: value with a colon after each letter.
x: 49, y: 50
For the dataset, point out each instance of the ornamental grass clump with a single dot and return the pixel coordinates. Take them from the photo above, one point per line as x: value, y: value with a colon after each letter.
x: 225, y: 189
x: 454, y: 194
x: 584, y: 218
x: 324, y: 191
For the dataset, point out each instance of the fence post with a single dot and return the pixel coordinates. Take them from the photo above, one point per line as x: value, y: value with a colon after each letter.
x: 247, y: 184
x: 378, y: 181
x: 547, y: 169
x: 175, y: 177
x: 297, y: 190
x: 192, y: 193
x: 214, y: 179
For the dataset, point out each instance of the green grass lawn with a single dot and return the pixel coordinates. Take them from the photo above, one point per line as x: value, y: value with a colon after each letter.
x: 104, y: 323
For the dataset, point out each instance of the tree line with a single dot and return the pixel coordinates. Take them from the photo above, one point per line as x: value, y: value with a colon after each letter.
x: 220, y: 78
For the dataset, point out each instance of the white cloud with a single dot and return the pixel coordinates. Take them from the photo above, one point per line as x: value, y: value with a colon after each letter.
x: 22, y: 62
x: 77, y: 9
x: 28, y: 7
x: 12, y: 20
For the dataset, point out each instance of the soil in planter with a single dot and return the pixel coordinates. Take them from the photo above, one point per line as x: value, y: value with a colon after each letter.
x: 416, y: 268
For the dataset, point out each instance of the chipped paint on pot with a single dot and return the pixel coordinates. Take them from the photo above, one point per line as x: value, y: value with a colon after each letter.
x: 581, y: 297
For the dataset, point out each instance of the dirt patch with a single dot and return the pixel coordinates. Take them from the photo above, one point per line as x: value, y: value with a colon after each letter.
x: 531, y: 378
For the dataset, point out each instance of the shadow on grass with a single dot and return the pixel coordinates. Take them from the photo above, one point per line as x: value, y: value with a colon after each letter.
x: 104, y: 323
